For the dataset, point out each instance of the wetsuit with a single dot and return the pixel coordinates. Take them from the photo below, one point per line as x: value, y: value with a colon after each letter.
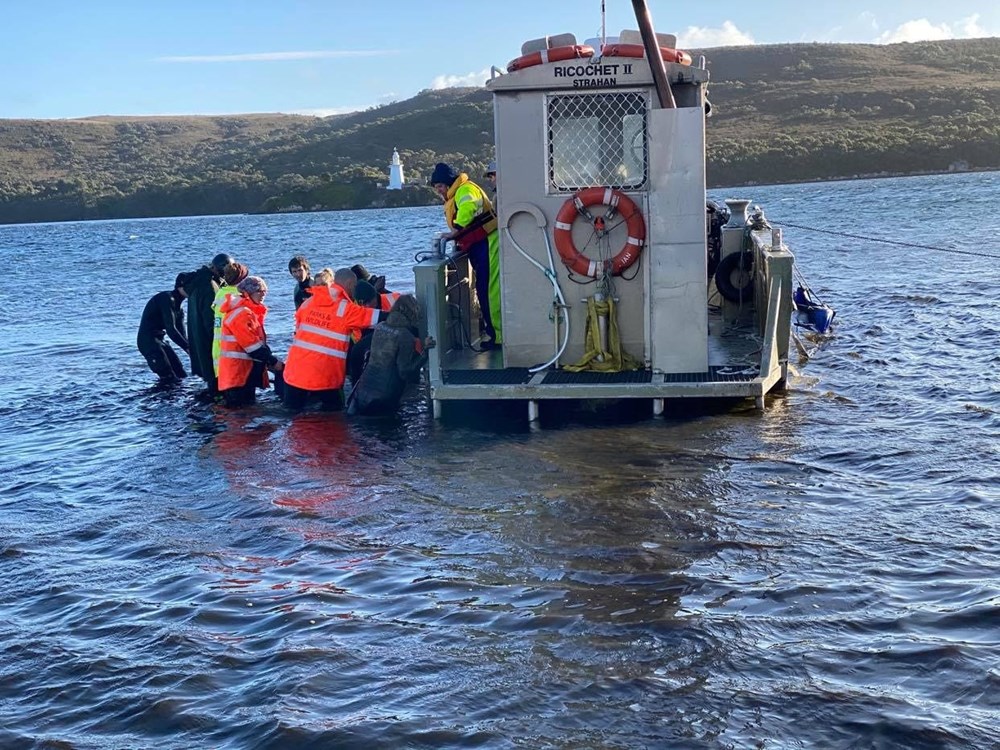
x: 162, y: 316
x: 357, y: 355
x: 201, y: 323
x: 301, y: 295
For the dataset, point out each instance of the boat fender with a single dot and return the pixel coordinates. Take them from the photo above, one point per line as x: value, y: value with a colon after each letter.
x: 556, y: 54
x: 740, y: 266
x: 637, y: 50
x: 617, y: 203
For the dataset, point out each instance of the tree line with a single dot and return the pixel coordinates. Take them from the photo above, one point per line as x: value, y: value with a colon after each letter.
x: 781, y: 113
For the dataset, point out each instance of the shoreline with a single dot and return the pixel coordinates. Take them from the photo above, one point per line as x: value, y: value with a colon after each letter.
x: 736, y: 186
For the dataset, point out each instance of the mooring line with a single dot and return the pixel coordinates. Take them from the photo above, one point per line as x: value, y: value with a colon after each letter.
x: 900, y: 243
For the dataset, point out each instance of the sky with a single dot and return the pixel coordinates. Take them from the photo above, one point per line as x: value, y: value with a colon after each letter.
x: 80, y: 58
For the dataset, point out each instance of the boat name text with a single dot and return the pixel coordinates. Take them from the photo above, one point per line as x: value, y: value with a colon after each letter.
x: 604, y: 75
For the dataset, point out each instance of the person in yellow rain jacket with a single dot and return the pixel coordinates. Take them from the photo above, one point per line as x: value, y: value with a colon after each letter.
x: 473, y: 222
x: 235, y: 273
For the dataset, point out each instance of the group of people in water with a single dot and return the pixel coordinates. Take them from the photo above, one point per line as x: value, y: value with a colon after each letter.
x: 347, y: 326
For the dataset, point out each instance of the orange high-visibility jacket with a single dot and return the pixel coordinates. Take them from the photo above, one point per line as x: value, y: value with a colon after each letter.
x: 388, y: 299
x: 242, y: 335
x: 385, y: 301
x: 317, y: 358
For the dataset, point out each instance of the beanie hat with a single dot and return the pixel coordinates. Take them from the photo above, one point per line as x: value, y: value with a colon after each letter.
x: 251, y: 285
x: 235, y: 273
x: 361, y: 272
x: 182, y: 280
x: 444, y: 174
x: 364, y: 293
x: 220, y: 261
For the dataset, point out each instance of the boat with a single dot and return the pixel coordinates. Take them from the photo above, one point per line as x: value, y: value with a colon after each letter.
x: 619, y: 278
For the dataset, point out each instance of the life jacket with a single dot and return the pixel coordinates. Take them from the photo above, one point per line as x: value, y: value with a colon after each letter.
x: 242, y: 335
x: 224, y: 293
x: 468, y: 209
x: 317, y: 358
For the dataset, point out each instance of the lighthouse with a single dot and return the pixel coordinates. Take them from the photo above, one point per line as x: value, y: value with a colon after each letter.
x: 395, y: 172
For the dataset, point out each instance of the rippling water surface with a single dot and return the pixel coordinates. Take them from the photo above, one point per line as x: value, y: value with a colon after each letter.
x: 820, y: 575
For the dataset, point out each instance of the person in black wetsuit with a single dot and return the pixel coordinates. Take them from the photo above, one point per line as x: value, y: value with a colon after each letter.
x: 357, y: 355
x: 201, y: 288
x: 394, y: 361
x: 162, y: 316
x: 299, y: 269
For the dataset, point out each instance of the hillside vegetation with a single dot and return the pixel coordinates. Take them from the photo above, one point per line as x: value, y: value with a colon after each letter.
x: 782, y: 113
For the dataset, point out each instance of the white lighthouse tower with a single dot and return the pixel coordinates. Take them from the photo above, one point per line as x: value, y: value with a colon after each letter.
x: 395, y: 172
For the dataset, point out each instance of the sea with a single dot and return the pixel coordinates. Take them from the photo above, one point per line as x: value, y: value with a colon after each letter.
x: 822, y: 574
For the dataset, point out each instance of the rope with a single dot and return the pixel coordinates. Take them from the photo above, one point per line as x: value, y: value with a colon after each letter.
x: 614, y: 360
x: 899, y: 243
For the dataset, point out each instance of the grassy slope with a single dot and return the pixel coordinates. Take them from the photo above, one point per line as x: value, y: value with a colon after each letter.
x: 782, y: 113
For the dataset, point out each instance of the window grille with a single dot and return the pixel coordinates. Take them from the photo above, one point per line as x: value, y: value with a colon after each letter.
x: 597, y: 140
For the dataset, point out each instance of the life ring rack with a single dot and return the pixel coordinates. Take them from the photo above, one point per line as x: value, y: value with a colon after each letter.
x: 555, y: 54
x: 617, y: 203
x: 668, y: 54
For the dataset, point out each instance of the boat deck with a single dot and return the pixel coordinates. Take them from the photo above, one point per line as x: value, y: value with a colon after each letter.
x: 747, y: 347
x: 734, y: 372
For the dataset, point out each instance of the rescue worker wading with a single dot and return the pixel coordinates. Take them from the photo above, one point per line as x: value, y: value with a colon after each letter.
x: 162, y: 316
x: 471, y: 218
x: 245, y: 356
x: 317, y: 359
x: 201, y: 288
x: 235, y: 273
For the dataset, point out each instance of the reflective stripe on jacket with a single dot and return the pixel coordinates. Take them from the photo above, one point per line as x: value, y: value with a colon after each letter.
x: 224, y: 293
x: 317, y: 358
x: 388, y: 299
x: 242, y: 334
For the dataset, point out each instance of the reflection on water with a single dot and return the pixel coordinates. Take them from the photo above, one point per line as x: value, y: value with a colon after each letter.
x: 820, y: 575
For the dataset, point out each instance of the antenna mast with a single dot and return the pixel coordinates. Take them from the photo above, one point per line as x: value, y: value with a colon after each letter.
x: 604, y: 30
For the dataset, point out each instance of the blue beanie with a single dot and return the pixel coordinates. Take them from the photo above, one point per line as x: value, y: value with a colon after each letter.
x: 444, y: 174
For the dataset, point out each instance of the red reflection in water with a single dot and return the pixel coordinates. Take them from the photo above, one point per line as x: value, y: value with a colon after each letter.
x: 309, y: 464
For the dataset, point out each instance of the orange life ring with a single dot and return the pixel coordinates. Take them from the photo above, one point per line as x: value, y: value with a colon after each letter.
x: 637, y: 50
x: 617, y: 203
x: 556, y: 54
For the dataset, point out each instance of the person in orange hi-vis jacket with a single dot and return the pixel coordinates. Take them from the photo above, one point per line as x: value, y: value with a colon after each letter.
x: 245, y: 357
x: 317, y: 359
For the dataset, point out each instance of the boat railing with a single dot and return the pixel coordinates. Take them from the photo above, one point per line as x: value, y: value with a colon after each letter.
x: 444, y: 287
x: 772, y: 299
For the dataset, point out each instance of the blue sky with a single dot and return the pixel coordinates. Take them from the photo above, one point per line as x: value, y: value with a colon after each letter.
x: 78, y: 58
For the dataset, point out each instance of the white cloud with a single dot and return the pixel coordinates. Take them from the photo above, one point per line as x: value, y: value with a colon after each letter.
x: 382, y: 99
x: 275, y: 56
x: 700, y: 37
x: 469, y: 79
x: 324, y: 111
x: 922, y: 30
x: 971, y: 28
x: 868, y: 18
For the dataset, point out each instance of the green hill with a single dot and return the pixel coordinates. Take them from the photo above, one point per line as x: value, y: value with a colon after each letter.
x: 781, y: 113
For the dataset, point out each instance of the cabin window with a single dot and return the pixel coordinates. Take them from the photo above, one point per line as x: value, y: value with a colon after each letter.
x: 597, y: 139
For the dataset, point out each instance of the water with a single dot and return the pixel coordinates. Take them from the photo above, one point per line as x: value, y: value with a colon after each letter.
x: 821, y: 575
